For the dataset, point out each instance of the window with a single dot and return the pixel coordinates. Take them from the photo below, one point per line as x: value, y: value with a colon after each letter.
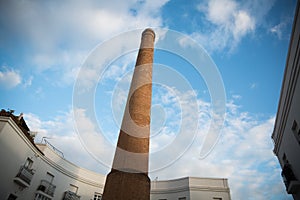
x: 182, y: 198
x: 12, y: 197
x: 46, y: 185
x: 97, y: 196
x: 25, y: 174
x: 284, y: 158
x: 28, y: 163
x: 73, y: 188
x: 49, y: 177
x: 296, y: 130
x: 217, y: 198
x: 295, y: 126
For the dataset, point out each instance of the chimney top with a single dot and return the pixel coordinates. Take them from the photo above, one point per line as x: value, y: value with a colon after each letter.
x: 149, y: 31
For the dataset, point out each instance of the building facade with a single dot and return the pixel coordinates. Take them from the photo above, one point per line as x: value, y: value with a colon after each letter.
x: 39, y: 172
x: 286, y: 134
x: 190, y: 188
x: 36, y: 171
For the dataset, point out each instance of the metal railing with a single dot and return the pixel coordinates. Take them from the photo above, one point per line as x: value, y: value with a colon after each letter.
x: 25, y: 174
x: 47, y: 187
x: 71, y: 196
x: 52, y: 147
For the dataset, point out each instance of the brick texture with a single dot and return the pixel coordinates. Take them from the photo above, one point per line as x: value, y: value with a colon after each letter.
x: 128, y: 179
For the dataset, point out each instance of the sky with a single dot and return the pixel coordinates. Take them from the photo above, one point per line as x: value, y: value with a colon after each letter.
x: 217, y: 74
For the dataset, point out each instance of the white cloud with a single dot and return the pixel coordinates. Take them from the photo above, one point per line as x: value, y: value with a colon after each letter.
x: 243, y: 24
x: 9, y: 78
x: 228, y: 22
x: 59, y: 35
x: 221, y: 11
x: 236, y: 96
x: 253, y: 85
x: 279, y: 30
x: 120, y: 67
x: 39, y: 93
x: 61, y: 133
x: 28, y: 82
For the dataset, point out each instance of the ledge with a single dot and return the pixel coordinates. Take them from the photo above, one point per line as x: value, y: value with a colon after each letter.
x: 20, y: 182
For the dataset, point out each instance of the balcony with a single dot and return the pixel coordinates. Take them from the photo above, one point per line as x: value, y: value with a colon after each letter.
x: 46, y: 188
x: 290, y: 180
x: 24, y: 176
x: 71, y: 196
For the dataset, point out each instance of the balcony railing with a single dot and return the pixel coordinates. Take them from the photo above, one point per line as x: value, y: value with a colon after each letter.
x: 47, y: 187
x: 24, y: 175
x: 71, y: 196
x: 290, y: 180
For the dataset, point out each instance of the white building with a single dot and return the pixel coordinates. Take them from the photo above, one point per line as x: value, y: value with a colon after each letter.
x: 40, y: 172
x: 190, y: 188
x: 286, y: 135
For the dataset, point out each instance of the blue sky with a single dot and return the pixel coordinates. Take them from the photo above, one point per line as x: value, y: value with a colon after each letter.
x: 46, y: 46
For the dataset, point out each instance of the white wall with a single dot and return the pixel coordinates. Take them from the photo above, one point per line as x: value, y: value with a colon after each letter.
x: 170, y: 189
x: 190, y: 187
x: 15, y: 148
x: 66, y: 173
